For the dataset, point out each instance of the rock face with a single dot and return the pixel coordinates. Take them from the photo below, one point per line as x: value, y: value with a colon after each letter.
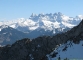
x: 38, y: 48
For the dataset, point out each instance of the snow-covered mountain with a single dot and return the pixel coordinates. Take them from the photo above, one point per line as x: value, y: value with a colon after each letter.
x: 44, y: 23
x: 67, y: 51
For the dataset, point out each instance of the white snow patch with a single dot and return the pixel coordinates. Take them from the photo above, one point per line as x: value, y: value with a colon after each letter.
x: 68, y: 25
x: 33, y: 28
x: 65, y: 18
x: 0, y: 29
x: 75, y: 51
x: 13, y: 26
x: 80, y: 16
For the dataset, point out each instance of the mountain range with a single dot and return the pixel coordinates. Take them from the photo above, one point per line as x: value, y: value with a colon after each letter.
x: 45, y: 47
x: 48, y: 22
x: 37, y: 25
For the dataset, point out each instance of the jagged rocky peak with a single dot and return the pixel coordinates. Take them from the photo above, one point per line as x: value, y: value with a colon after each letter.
x: 55, y: 14
x: 47, y: 14
x: 59, y: 13
x: 42, y: 14
x: 33, y: 15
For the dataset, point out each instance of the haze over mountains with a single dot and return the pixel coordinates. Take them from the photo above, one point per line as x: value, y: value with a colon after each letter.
x: 38, y: 25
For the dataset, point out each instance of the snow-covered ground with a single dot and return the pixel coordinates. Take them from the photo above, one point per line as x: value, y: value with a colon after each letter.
x: 73, y: 51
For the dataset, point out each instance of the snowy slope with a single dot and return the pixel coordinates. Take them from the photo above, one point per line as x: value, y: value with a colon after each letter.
x: 73, y: 51
x: 21, y: 24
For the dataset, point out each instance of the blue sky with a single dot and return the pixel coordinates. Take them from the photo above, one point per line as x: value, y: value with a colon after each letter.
x: 13, y: 9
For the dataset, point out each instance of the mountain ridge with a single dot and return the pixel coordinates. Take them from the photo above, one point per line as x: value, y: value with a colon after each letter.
x: 52, y: 21
x: 9, y: 35
x: 44, y: 24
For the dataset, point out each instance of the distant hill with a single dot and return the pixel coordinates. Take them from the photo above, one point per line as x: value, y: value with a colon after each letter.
x: 9, y: 35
